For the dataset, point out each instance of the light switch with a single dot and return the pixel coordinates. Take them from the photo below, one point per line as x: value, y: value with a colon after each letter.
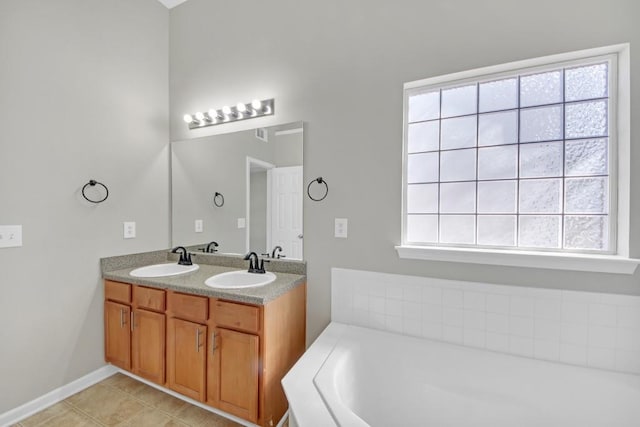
x: 199, y: 226
x: 129, y: 229
x: 10, y: 236
x: 242, y: 222
x: 341, y: 228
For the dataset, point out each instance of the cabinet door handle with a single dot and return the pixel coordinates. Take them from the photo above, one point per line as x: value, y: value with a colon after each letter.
x: 213, y: 343
x: 198, y: 340
x: 133, y: 319
x: 122, y: 321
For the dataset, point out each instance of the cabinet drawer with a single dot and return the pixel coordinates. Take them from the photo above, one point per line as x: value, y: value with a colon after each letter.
x: 235, y: 316
x: 152, y: 299
x: 189, y: 307
x: 116, y: 291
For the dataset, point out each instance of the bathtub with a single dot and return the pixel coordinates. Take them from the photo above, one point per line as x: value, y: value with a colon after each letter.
x: 354, y: 376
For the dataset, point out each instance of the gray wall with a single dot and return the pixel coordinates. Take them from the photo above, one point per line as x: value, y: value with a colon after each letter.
x: 340, y: 66
x: 83, y: 87
x: 258, y: 212
x: 288, y: 150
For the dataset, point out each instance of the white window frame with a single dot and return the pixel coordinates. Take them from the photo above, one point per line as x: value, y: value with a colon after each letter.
x: 620, y: 166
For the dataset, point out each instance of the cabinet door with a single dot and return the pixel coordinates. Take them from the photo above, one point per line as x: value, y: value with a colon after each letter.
x: 186, y: 357
x: 232, y: 377
x: 147, y: 342
x: 117, y: 336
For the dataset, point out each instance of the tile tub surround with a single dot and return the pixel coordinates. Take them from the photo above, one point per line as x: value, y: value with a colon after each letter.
x: 578, y: 328
x: 118, y: 269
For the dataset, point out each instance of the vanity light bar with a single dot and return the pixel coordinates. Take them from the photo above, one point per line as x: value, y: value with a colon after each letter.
x: 227, y: 114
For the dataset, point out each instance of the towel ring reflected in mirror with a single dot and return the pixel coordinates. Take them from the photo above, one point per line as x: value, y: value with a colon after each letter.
x: 218, y: 199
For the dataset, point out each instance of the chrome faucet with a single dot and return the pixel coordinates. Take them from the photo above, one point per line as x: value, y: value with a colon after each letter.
x: 209, y: 250
x: 256, y: 265
x: 185, y: 256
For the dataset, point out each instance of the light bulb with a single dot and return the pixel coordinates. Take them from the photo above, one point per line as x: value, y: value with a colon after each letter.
x: 241, y: 107
x: 199, y: 116
x: 187, y: 118
x: 213, y: 114
x: 256, y: 104
x: 226, y: 110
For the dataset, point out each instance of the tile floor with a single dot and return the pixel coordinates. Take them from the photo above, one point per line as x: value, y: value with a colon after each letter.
x: 122, y: 401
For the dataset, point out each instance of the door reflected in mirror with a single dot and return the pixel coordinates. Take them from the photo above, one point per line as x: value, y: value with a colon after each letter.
x: 259, y: 174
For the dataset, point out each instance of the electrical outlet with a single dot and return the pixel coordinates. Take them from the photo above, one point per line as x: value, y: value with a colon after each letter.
x: 341, y: 228
x: 199, y: 226
x: 242, y: 222
x: 129, y: 229
x: 10, y: 236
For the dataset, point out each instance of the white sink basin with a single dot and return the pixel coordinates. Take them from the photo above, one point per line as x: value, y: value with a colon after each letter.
x: 162, y: 270
x: 239, y: 279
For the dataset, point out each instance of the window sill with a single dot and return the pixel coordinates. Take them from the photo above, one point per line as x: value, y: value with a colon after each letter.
x: 555, y: 261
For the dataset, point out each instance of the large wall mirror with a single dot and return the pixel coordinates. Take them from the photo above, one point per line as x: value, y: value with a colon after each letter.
x: 257, y: 175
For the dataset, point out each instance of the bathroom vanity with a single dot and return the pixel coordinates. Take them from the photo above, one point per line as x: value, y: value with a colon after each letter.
x: 227, y: 348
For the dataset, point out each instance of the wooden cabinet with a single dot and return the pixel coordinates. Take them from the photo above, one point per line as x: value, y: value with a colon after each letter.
x: 148, y: 345
x: 232, y: 315
x: 233, y: 373
x: 281, y: 345
x: 148, y: 331
x: 117, y: 335
x: 233, y: 367
x: 149, y: 299
x: 186, y: 357
x: 186, y: 344
x: 134, y: 334
x: 227, y: 354
x: 116, y: 291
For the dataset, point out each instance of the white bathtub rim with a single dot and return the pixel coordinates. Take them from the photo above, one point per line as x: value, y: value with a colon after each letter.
x: 310, y: 407
x: 325, y: 382
x: 305, y: 401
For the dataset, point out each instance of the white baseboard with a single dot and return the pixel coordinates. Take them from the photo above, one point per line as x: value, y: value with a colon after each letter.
x: 283, y: 419
x: 36, y: 405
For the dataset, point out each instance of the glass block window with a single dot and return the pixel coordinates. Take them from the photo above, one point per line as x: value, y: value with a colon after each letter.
x: 520, y: 160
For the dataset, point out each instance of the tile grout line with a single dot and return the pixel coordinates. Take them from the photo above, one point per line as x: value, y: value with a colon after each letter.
x: 70, y: 408
x: 86, y: 414
x: 146, y: 404
x: 149, y: 405
x: 74, y: 408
